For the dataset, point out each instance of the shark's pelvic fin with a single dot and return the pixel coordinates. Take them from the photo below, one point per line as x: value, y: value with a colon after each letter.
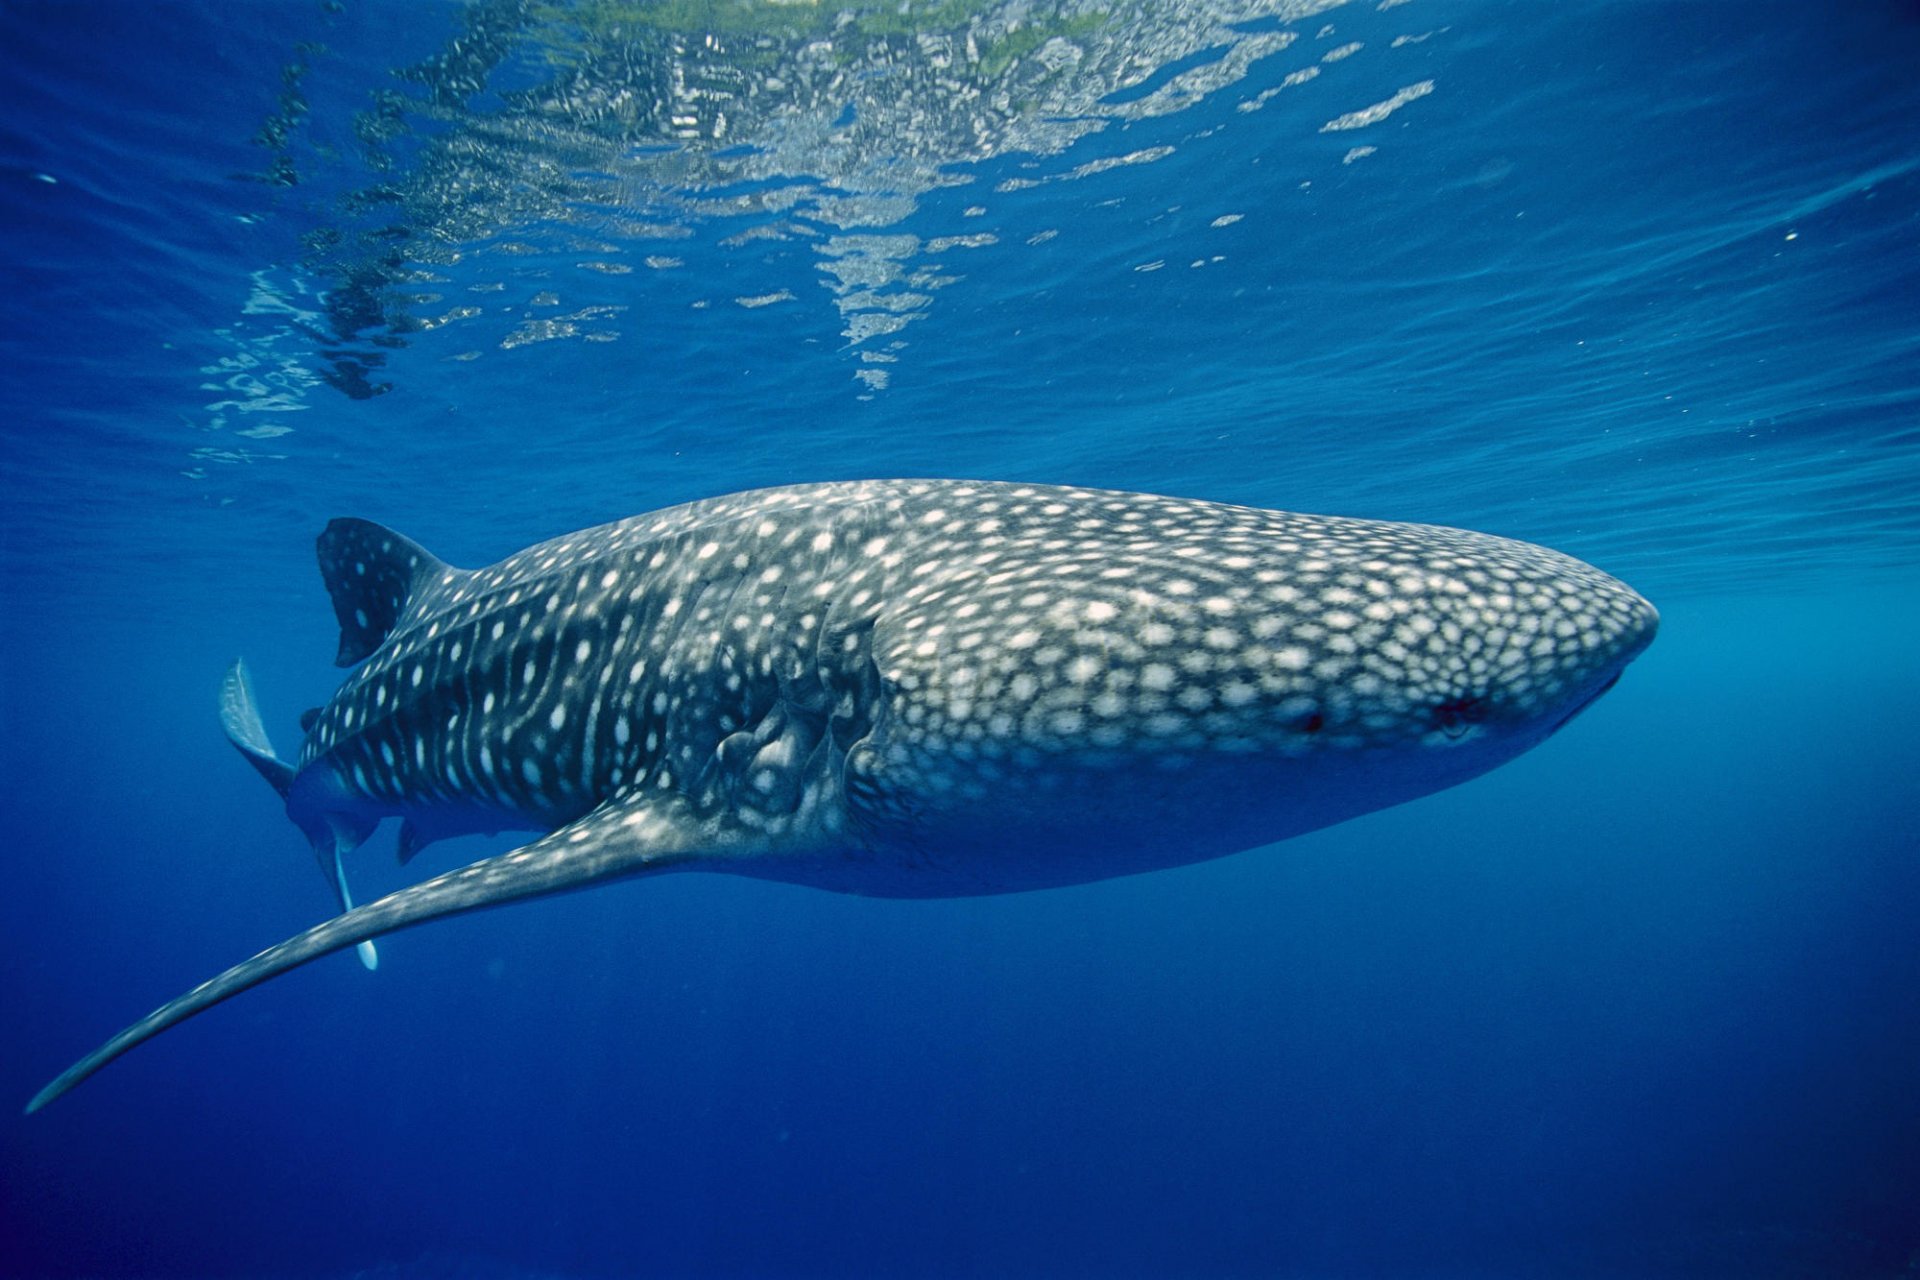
x: 368, y: 956
x: 411, y: 841
x: 617, y: 839
x: 372, y: 574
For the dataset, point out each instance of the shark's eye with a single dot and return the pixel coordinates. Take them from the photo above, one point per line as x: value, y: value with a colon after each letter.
x: 1457, y: 715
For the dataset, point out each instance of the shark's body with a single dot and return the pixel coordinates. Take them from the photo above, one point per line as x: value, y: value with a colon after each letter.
x: 913, y: 688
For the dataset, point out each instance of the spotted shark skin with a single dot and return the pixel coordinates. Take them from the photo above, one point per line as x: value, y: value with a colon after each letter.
x: 912, y: 688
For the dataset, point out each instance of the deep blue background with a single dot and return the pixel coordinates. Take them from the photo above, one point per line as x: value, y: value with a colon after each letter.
x: 1638, y: 280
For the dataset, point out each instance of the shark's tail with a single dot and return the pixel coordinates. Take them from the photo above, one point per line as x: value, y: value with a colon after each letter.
x: 615, y: 840
x: 240, y: 717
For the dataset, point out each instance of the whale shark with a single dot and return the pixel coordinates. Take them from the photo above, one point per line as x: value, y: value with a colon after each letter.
x: 908, y: 688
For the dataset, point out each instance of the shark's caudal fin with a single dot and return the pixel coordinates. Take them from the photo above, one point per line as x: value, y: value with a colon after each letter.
x: 240, y: 717
x: 614, y: 840
x: 372, y: 573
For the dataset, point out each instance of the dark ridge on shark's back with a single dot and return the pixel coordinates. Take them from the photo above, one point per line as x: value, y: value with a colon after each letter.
x: 910, y: 688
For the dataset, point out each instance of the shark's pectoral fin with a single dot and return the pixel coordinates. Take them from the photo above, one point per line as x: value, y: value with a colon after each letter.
x: 620, y: 838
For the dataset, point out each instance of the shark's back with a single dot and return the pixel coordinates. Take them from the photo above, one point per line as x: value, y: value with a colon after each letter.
x: 668, y: 650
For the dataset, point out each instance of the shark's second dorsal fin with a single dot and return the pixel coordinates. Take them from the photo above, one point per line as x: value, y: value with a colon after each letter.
x: 372, y: 573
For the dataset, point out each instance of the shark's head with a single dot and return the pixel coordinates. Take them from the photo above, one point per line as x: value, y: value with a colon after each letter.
x: 1232, y: 679
x: 1460, y: 654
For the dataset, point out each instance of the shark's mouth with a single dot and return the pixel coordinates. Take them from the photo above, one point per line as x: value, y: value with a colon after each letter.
x: 1588, y: 701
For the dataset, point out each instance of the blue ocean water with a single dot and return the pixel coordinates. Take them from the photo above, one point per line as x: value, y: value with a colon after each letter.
x: 1638, y: 280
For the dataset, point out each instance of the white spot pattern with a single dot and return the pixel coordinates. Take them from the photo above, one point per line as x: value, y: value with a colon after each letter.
x: 785, y: 656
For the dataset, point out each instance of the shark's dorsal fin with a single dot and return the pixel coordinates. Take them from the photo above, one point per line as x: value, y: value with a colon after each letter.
x: 372, y: 573
x: 641, y: 833
x: 309, y: 718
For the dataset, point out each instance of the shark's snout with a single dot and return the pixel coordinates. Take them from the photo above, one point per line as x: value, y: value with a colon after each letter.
x: 1633, y: 630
